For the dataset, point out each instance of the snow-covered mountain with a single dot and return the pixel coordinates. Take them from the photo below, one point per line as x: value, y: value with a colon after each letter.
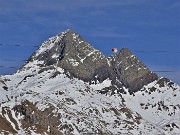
x: 69, y: 87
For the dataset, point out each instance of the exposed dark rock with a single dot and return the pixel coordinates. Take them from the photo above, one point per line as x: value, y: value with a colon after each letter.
x: 162, y: 82
x: 4, y: 86
x: 76, y: 56
x: 41, y: 119
x: 70, y: 51
x: 131, y: 71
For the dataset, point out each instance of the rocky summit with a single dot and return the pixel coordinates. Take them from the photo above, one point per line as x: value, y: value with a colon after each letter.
x: 69, y: 87
x: 72, y: 53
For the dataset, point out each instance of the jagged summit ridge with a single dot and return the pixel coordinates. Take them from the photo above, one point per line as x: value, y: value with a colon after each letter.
x: 65, y: 43
x: 69, y: 51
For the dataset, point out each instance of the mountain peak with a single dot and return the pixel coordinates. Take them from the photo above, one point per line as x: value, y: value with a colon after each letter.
x: 131, y: 71
x: 71, y: 52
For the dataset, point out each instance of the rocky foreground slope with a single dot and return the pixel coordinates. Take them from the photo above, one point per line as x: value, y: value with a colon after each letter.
x: 69, y: 87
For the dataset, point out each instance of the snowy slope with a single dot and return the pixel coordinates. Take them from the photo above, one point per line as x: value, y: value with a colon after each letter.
x: 83, y: 109
x: 3, y: 91
x: 158, y: 105
x: 49, y: 99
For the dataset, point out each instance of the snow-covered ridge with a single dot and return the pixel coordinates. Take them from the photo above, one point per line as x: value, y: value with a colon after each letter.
x: 48, y: 44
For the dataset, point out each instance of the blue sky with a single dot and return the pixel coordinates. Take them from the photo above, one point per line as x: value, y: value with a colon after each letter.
x: 151, y: 26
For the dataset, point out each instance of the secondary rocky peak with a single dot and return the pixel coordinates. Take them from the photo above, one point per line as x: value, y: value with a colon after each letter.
x: 131, y: 71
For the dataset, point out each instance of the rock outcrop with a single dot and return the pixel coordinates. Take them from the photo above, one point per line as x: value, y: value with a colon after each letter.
x: 132, y: 72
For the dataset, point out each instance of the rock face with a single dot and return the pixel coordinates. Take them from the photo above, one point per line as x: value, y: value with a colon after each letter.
x: 42, y: 120
x: 70, y: 51
x: 132, y: 72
